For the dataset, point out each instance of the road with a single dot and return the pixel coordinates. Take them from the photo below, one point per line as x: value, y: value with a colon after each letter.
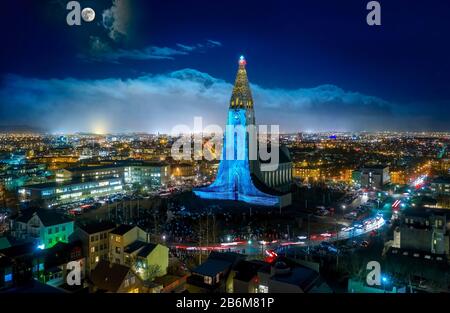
x: 257, y: 248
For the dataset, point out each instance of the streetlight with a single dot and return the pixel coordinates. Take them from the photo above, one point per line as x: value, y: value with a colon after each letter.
x: 384, y: 280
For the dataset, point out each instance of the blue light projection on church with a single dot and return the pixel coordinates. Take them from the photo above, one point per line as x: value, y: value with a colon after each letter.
x: 234, y: 179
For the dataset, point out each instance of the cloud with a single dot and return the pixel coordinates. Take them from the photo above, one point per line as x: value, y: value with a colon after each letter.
x: 214, y: 43
x: 101, y: 51
x: 155, y: 103
x: 117, y: 19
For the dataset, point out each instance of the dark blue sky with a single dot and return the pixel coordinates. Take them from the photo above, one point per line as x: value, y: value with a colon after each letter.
x: 316, y: 64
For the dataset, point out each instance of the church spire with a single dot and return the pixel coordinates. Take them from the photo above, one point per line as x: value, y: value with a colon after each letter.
x: 241, y: 97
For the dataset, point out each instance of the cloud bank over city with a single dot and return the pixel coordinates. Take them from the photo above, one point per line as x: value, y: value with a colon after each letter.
x: 156, y: 103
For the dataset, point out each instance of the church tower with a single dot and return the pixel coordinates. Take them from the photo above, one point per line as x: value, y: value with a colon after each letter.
x: 239, y: 176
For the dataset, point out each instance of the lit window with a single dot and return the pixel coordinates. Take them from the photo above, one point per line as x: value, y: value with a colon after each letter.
x: 8, y: 278
x: 117, y: 239
x: 97, y: 259
x: 92, y: 249
x: 263, y: 289
x: 208, y: 280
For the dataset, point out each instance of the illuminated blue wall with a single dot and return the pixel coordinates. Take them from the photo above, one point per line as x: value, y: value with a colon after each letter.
x: 233, y: 180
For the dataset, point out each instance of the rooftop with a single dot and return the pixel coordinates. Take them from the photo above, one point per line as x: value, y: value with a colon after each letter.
x: 116, y: 165
x: 246, y: 270
x: 47, y: 217
x: 67, y: 183
x: 217, y: 262
x: 94, y: 228
x: 148, y: 248
x: 109, y: 276
x: 133, y: 247
x: 298, y: 276
x: 122, y: 229
x: 212, y: 267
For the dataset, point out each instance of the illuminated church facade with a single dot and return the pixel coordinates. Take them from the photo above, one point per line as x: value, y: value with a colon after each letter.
x: 242, y: 178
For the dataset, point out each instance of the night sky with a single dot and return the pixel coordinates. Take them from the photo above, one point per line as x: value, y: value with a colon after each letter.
x: 314, y: 65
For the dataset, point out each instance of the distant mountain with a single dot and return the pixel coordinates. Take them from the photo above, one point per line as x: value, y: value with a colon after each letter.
x: 21, y: 129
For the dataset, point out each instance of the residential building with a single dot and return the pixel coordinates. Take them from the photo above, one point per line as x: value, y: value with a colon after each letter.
x: 285, y: 276
x: 115, y: 278
x: 43, y: 227
x: 246, y: 279
x: 23, y: 263
x: 423, y: 230
x: 53, y: 263
x: 95, y: 238
x: 376, y: 176
x: 440, y: 186
x: 147, y: 259
x: 214, y: 275
x: 120, y: 238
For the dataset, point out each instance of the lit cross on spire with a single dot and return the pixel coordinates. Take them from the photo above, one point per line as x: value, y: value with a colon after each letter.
x: 242, y: 61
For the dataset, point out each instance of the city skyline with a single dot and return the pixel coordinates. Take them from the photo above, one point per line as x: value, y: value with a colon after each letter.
x: 127, y: 73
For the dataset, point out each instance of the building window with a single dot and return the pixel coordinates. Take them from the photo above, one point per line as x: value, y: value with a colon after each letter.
x: 49, y: 231
x: 97, y: 259
x: 63, y: 228
x: 92, y: 249
x: 263, y: 289
x: 56, y: 229
x: 118, y: 250
x: 117, y: 238
x: 92, y: 238
x: 207, y: 280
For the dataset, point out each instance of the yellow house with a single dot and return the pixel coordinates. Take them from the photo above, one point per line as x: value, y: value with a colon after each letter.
x: 130, y: 246
x: 120, y: 238
x: 151, y: 261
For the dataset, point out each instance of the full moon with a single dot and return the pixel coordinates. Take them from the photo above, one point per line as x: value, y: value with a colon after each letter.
x: 88, y: 14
